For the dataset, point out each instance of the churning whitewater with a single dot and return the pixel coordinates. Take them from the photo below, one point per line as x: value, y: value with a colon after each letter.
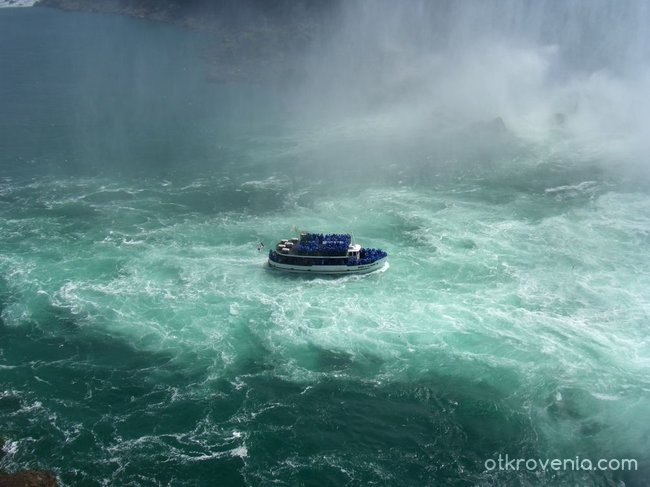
x: 143, y: 341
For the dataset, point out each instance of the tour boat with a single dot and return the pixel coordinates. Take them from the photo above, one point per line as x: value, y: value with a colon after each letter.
x: 316, y: 253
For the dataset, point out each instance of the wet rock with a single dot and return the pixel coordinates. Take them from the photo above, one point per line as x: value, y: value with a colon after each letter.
x: 244, y: 39
x: 559, y: 119
x: 32, y: 478
x: 494, y: 126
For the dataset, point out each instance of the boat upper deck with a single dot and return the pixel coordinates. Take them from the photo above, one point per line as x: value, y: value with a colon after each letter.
x: 319, y: 245
x: 315, y: 249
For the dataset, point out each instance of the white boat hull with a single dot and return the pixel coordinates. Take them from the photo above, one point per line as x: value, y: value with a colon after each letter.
x: 329, y: 269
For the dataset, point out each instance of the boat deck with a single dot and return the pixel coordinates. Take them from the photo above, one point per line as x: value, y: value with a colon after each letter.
x: 332, y: 253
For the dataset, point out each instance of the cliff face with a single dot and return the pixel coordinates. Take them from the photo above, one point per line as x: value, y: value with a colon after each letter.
x: 248, y: 39
x: 204, y: 12
x: 164, y: 10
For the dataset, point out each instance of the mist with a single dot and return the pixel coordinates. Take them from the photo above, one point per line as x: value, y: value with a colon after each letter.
x: 468, y: 77
x: 388, y: 88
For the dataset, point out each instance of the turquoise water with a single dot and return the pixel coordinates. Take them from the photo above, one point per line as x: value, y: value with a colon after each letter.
x: 144, y: 342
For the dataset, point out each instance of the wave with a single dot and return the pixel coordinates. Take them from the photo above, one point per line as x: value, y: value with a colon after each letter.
x: 16, y: 3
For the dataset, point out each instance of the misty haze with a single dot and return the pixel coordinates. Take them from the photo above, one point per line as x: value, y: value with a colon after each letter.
x: 497, y: 150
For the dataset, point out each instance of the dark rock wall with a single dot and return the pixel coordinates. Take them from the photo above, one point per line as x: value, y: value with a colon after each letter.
x: 34, y: 478
x: 260, y: 40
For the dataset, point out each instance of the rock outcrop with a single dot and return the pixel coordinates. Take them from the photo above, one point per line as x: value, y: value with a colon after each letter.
x: 205, y: 13
x: 247, y: 39
x: 32, y: 478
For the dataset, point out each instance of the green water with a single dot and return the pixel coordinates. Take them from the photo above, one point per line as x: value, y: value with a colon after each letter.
x: 144, y: 342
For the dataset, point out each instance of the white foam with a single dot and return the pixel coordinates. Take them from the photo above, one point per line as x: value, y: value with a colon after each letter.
x: 270, y: 183
x: 10, y: 448
x: 572, y: 187
x: 241, y: 452
x: 16, y: 3
x: 507, y: 303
